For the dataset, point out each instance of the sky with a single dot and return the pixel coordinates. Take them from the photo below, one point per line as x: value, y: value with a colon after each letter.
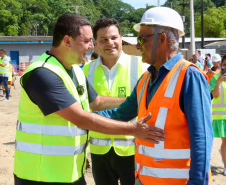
x: 141, y: 3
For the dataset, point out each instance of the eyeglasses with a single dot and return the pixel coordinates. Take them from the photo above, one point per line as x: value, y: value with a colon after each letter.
x: 140, y: 39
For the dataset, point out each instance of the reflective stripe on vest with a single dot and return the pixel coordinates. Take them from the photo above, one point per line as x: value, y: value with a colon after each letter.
x: 125, y: 80
x: 117, y: 142
x: 5, y: 69
x: 133, y: 72
x: 221, y: 105
x: 50, y: 129
x: 161, y: 119
x: 166, y: 154
x: 169, y: 161
x: 48, y: 149
x: 163, y: 172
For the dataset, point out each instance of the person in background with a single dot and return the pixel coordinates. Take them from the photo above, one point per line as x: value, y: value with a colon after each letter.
x: 94, y: 56
x: 201, y: 58
x: 195, y: 61
x: 11, y: 78
x: 4, y: 71
x: 208, y: 62
x: 216, y: 59
x: 218, y: 90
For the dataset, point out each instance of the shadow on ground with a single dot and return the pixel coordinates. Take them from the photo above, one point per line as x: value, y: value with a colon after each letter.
x: 9, y: 143
x: 217, y: 170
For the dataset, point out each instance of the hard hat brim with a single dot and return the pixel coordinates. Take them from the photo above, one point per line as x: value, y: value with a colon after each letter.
x: 136, y: 27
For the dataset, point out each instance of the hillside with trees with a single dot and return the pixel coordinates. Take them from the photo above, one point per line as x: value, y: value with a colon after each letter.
x: 24, y: 17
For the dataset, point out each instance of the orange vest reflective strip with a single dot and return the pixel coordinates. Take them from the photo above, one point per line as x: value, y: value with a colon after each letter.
x: 169, y: 161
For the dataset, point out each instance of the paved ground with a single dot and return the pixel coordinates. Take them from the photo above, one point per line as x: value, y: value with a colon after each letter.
x: 8, y: 117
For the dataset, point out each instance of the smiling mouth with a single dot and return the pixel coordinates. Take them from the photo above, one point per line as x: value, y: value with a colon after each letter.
x: 110, y: 48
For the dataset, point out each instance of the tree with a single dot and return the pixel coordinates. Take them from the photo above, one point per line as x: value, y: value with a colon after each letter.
x: 10, y: 30
x: 214, y: 23
x: 197, y: 10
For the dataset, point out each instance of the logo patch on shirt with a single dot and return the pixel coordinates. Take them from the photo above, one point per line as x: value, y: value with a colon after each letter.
x: 122, y: 92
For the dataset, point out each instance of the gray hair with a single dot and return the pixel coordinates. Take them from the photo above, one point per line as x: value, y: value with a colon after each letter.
x: 171, y: 34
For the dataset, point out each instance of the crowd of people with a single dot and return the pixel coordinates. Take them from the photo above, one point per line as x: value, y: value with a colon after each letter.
x: 151, y: 116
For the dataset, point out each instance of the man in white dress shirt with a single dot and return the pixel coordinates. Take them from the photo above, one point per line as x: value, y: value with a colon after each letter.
x: 114, y: 74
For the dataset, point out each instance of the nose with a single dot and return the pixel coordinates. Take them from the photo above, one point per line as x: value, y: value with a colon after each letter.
x: 138, y: 45
x: 91, y: 46
x: 110, y: 42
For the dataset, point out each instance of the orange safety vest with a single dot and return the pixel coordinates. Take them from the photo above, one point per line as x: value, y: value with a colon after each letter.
x: 169, y: 161
x: 211, y: 75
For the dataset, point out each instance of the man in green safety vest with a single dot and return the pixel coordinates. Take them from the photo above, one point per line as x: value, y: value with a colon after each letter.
x: 54, y: 118
x: 4, y: 72
x: 113, y: 74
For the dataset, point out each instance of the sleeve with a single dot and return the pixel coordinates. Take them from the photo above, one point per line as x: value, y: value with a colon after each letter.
x: 47, y: 91
x: 127, y: 111
x: 196, y: 104
x: 6, y: 61
x: 212, y: 84
x: 92, y: 94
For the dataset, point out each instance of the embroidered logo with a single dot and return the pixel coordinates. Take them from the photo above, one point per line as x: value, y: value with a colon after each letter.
x: 122, y: 92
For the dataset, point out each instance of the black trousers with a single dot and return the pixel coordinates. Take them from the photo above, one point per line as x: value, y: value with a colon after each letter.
x: 18, y: 181
x: 109, y: 168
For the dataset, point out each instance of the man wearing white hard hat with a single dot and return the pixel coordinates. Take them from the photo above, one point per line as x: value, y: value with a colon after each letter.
x: 176, y: 93
x: 216, y: 59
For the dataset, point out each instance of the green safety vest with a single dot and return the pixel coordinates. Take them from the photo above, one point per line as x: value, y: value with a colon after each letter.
x: 124, y: 83
x: 50, y: 148
x: 4, y: 70
x: 219, y: 103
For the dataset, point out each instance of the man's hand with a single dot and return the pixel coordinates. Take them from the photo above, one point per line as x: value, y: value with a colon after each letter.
x: 210, y: 72
x: 146, y: 132
x: 221, y: 79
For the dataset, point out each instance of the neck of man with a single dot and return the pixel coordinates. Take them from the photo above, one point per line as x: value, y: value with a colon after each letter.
x: 61, y: 56
x: 109, y: 63
x: 162, y: 59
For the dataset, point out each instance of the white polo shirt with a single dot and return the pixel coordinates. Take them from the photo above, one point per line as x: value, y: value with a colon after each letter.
x: 111, y: 73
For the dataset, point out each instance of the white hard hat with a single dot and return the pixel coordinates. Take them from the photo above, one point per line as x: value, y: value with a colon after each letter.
x: 216, y: 58
x: 162, y: 16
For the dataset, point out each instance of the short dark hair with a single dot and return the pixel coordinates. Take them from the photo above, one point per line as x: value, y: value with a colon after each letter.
x: 104, y: 23
x: 68, y: 24
x: 3, y: 50
x: 223, y: 58
x: 94, y: 55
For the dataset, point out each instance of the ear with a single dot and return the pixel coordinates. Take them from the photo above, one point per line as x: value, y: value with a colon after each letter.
x: 67, y: 40
x: 162, y: 38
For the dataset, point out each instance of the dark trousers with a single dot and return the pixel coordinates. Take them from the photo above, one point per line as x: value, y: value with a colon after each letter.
x: 5, y: 82
x: 109, y: 168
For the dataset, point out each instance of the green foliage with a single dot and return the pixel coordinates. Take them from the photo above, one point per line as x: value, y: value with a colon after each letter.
x: 214, y: 23
x: 10, y: 31
x: 197, y: 10
x: 22, y: 17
